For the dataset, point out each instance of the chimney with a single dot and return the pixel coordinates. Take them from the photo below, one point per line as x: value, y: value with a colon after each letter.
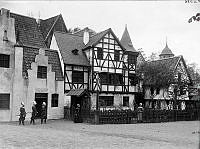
x: 86, y: 36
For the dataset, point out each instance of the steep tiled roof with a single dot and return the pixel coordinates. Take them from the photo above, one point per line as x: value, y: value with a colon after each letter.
x: 94, y: 39
x: 80, y: 33
x: 166, y: 51
x: 29, y: 55
x: 27, y: 32
x: 68, y: 42
x: 171, y: 62
x: 126, y: 41
x: 54, y: 23
x: 45, y: 25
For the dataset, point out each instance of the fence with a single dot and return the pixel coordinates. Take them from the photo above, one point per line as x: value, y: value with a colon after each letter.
x: 148, y: 116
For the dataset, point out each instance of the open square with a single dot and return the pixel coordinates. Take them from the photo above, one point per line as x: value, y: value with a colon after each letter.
x: 60, y: 134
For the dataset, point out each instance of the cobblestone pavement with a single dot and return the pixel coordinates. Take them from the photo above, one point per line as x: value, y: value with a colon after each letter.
x: 63, y: 134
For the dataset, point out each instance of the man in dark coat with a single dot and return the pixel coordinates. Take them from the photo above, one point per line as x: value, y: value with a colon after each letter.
x: 77, y: 114
x: 22, y: 114
x: 34, y: 113
x: 43, y: 113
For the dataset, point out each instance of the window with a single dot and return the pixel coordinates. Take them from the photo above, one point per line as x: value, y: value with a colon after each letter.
x: 116, y: 55
x: 106, y: 100
x: 99, y: 53
x: 42, y: 72
x: 132, y: 59
x: 54, y: 100
x: 157, y: 91
x: 118, y: 79
x: 4, y: 101
x: 103, y: 78
x: 5, y: 37
x: 111, y: 79
x: 133, y: 79
x: 4, y: 60
x: 75, y: 52
x: 77, y: 76
x: 126, y: 101
x: 152, y: 90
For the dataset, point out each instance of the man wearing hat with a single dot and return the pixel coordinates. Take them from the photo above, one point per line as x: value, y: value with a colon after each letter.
x: 22, y: 114
x: 43, y: 113
x: 34, y: 113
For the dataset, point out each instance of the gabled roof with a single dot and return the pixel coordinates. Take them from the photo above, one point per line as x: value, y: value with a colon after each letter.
x: 29, y: 55
x: 27, y: 32
x: 126, y: 41
x: 94, y: 40
x: 172, y: 64
x: 46, y: 26
x: 166, y: 51
x: 81, y: 32
x: 68, y: 42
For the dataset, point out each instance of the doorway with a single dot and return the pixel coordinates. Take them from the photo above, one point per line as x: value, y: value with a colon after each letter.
x: 84, y: 103
x: 40, y: 98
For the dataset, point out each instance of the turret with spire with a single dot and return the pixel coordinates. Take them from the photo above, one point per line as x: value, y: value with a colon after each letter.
x: 166, y: 52
x: 126, y: 41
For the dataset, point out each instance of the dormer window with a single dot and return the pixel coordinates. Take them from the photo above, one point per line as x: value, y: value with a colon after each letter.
x: 75, y: 52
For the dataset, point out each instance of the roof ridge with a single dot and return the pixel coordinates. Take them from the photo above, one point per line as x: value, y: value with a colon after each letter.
x: 51, y: 17
x: 23, y: 15
x: 67, y: 33
x: 167, y: 58
x: 100, y: 32
x: 80, y: 30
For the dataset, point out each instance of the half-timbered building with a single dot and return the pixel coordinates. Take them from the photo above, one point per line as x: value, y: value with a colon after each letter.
x: 98, y: 66
x: 175, y: 93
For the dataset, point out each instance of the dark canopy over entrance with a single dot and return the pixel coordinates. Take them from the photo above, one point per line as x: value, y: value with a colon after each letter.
x: 81, y: 97
x: 77, y: 92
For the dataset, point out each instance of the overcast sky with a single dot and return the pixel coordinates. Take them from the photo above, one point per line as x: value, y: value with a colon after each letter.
x: 149, y: 22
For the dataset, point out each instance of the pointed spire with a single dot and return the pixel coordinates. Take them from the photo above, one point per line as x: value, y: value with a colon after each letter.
x: 166, y: 52
x: 166, y: 42
x: 126, y: 41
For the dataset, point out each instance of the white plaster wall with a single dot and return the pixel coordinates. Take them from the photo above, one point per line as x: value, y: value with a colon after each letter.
x: 6, y: 74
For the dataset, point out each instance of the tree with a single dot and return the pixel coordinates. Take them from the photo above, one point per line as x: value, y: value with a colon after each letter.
x: 194, y: 18
x: 156, y: 74
x: 194, y: 72
x: 154, y: 56
x: 70, y: 30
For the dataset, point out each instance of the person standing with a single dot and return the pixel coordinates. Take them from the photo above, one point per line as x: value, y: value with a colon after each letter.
x: 140, y: 111
x: 34, y: 113
x: 22, y: 115
x: 77, y: 114
x: 43, y: 113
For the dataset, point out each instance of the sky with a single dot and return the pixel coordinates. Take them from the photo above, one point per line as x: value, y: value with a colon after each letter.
x: 149, y: 23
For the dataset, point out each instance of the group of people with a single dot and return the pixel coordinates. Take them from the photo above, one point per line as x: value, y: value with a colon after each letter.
x: 34, y: 112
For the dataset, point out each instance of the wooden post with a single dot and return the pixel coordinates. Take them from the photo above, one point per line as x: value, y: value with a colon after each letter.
x: 97, y: 100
